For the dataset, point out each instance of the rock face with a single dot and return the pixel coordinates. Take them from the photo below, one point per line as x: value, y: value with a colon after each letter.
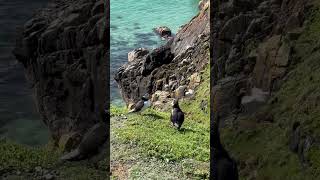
x: 64, y: 50
x: 251, y: 48
x: 137, y: 54
x: 168, y: 67
x: 163, y: 31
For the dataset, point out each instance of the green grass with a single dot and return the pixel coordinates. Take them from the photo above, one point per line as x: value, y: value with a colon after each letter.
x: 297, y: 100
x: 20, y: 157
x: 16, y: 157
x: 154, y: 136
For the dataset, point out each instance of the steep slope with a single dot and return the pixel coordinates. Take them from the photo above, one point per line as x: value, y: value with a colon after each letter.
x: 64, y: 50
x: 271, y: 125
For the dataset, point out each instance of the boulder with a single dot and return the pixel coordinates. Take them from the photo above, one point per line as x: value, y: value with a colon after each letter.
x: 195, y: 80
x: 161, y: 100
x: 180, y: 91
x: 163, y: 31
x: 137, y: 54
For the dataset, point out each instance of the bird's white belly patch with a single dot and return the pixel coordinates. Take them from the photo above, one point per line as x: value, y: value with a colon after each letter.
x: 146, y: 104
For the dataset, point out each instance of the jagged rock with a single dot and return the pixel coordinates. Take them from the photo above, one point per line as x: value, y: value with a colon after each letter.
x: 162, y: 69
x: 203, y: 4
x: 163, y: 31
x: 226, y: 97
x: 251, y: 48
x: 247, y: 42
x: 180, y: 92
x: 195, y: 80
x: 161, y: 100
x: 137, y: 54
x: 64, y: 51
x: 273, y: 58
x: 252, y: 102
x: 236, y: 25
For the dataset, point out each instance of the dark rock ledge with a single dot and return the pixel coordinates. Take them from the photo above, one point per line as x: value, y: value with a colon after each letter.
x: 65, y: 53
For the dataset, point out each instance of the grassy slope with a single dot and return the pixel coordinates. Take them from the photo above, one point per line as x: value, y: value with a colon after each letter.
x: 16, y: 157
x: 151, y: 135
x: 262, y: 149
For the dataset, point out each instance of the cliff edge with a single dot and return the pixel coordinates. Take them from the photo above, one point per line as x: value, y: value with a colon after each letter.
x: 64, y: 51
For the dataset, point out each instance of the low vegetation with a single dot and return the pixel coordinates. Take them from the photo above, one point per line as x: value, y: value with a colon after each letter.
x: 23, y: 162
x: 151, y: 135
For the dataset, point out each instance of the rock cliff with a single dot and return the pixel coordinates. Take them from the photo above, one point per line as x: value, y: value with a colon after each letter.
x: 265, y: 83
x: 175, y: 65
x: 64, y: 49
x: 252, y: 49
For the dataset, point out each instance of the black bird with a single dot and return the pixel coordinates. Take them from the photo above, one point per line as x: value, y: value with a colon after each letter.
x: 141, y: 105
x: 225, y: 168
x: 177, y: 116
x: 93, y: 145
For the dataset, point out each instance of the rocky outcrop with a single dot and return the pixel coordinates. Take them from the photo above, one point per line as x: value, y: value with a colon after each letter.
x: 64, y: 49
x: 251, y: 49
x: 165, y: 69
x: 137, y: 54
x: 163, y: 31
x: 253, y: 53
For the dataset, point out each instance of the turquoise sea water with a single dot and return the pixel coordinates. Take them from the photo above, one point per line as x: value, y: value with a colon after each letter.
x: 131, y: 23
